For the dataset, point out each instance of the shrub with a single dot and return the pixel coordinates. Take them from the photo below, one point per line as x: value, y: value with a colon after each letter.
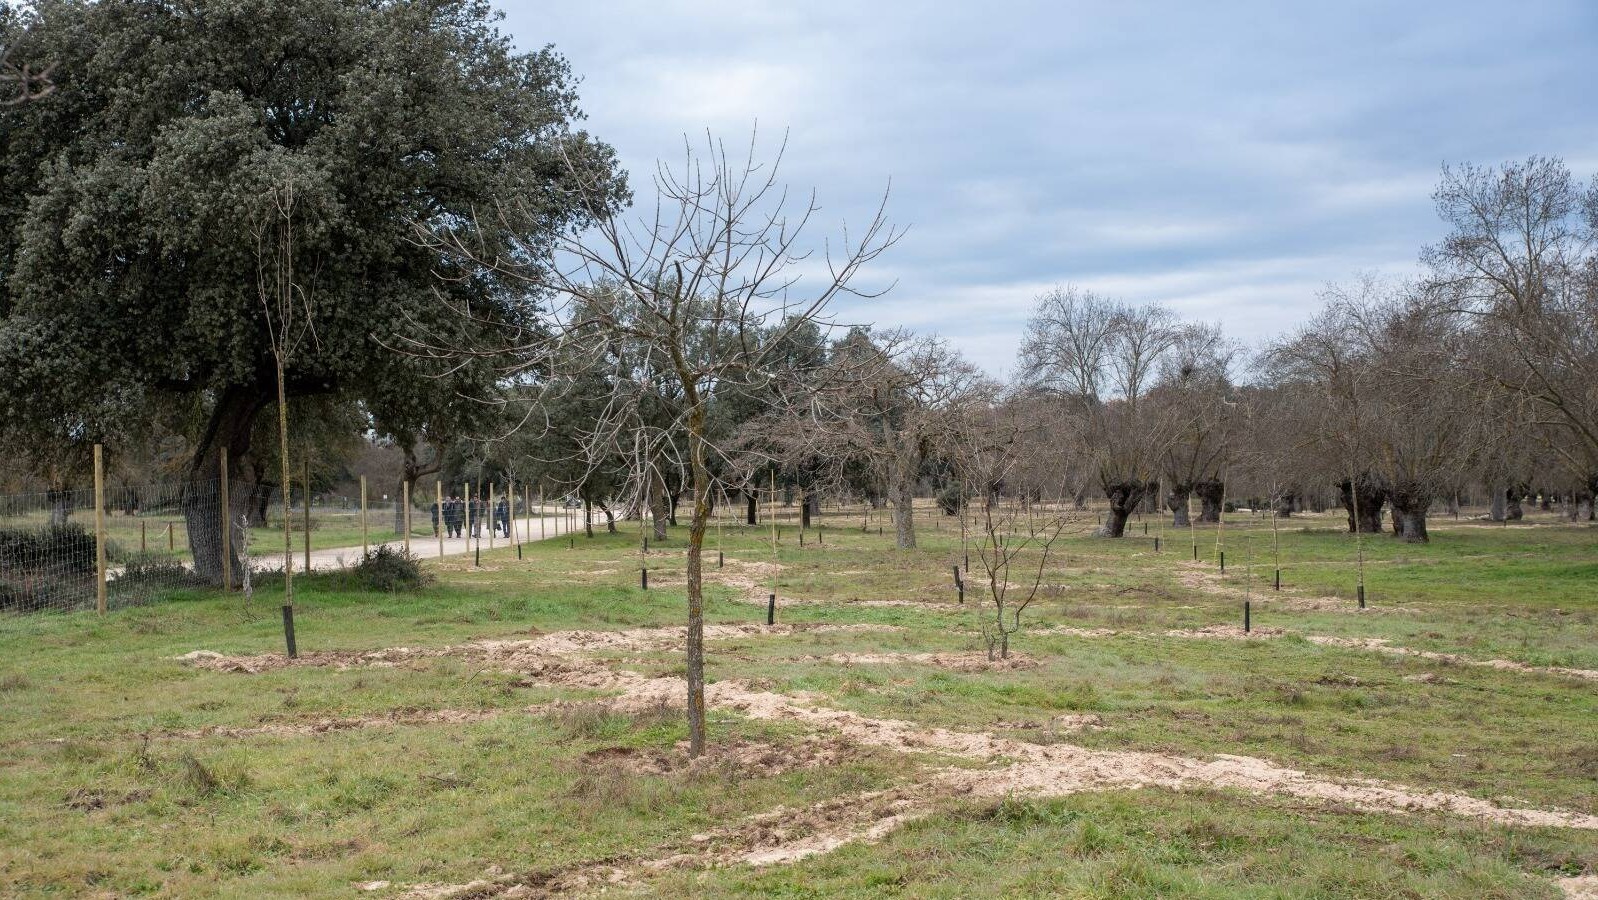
x: 951, y: 500
x: 389, y: 569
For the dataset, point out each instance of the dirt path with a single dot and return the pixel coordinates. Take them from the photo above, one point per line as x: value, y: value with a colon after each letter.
x: 426, y: 547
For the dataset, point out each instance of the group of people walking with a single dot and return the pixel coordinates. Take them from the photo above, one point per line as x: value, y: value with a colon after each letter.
x: 461, y: 516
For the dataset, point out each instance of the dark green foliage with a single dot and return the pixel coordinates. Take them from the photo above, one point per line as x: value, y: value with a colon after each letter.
x: 951, y: 500
x: 134, y: 204
x: 389, y: 569
x: 46, y: 568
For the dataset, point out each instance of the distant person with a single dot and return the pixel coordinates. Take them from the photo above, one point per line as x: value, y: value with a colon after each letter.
x: 502, y: 517
x: 452, y: 516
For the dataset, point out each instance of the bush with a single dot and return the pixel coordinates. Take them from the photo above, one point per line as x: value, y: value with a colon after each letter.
x: 951, y: 500
x: 388, y: 569
x: 45, y: 568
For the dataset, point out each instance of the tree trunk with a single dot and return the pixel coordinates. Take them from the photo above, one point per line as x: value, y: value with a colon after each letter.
x: 60, y: 501
x: 1211, y: 494
x: 1410, y: 504
x: 1284, y: 506
x: 659, y: 513
x: 697, y: 527
x: 752, y: 511
x: 812, y: 508
x: 1371, y: 497
x: 1124, y: 497
x: 1496, y: 510
x: 588, y: 517
x: 1512, y: 508
x: 610, y: 518
x: 904, y: 524
x: 671, y: 509
x: 1176, y: 501
x: 230, y: 425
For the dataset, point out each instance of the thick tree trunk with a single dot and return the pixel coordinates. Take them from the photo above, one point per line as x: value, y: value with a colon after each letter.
x: 1513, y: 511
x: 1176, y: 501
x: 230, y: 425
x: 588, y: 518
x: 752, y: 510
x: 1410, y: 504
x: 610, y: 518
x: 1496, y: 506
x: 671, y: 510
x: 1211, y: 494
x: 812, y: 509
x: 1372, y: 495
x: 1124, y: 498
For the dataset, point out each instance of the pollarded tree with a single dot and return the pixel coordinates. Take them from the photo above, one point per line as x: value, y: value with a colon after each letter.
x: 134, y: 195
x: 1098, y: 358
x: 1194, y: 383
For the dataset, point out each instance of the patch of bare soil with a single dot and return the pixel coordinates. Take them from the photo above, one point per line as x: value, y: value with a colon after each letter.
x: 347, y: 723
x: 1204, y: 578
x: 1077, y: 632
x: 1381, y: 645
x: 734, y: 758
x: 957, y: 662
x: 527, y: 656
x: 1580, y: 887
x: 1227, y: 632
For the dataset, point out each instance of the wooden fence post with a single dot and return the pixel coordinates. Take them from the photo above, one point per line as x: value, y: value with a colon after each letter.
x: 227, y: 530
x: 99, y: 531
x: 366, y: 542
x: 307, y: 509
x: 492, y: 525
x: 438, y: 488
x: 405, y: 519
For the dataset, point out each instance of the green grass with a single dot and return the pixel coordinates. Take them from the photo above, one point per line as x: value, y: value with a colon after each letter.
x: 96, y: 795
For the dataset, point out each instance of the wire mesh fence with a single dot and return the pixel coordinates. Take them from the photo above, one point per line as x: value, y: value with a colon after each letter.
x: 187, y: 537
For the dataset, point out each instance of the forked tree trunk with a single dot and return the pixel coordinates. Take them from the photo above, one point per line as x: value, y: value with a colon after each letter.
x: 752, y: 509
x: 1124, y: 497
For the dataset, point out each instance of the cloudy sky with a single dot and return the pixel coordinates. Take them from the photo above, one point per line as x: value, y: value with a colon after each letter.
x: 1226, y: 159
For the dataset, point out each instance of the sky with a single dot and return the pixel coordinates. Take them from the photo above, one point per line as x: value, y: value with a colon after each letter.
x: 1227, y: 160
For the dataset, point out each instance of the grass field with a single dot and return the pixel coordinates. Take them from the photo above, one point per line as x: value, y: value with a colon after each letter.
x: 1137, y: 746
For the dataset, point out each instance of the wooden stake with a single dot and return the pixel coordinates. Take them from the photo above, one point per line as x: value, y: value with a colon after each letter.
x: 307, y: 509
x: 366, y: 541
x: 227, y: 532
x: 405, y: 515
x: 99, y: 531
x: 438, y: 488
x: 491, y: 522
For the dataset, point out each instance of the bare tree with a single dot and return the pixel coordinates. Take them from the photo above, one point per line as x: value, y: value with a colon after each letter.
x: 1098, y: 358
x: 889, y: 403
x: 701, y: 288
x: 1521, y: 263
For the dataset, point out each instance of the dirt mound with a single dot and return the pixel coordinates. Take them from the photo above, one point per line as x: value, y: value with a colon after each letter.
x: 325, y: 725
x: 957, y: 662
x: 1228, y: 632
x: 735, y: 758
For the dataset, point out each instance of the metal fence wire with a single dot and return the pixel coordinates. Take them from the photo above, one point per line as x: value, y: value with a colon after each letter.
x: 166, y: 541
